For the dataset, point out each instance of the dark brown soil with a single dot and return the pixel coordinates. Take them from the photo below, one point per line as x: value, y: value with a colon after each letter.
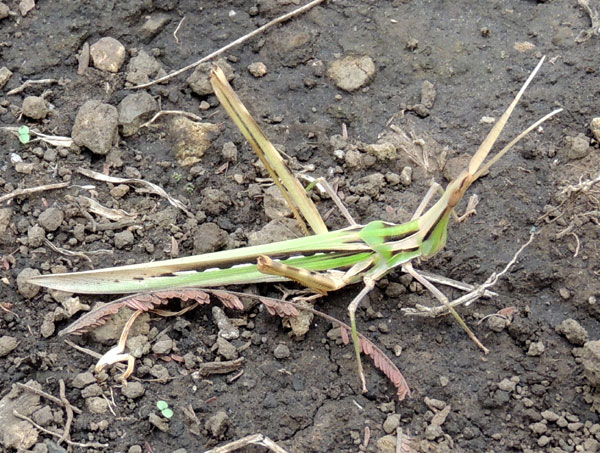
x: 473, y: 54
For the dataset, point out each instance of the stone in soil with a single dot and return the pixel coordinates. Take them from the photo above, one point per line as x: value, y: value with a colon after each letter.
x: 124, y: 239
x: 153, y: 26
x: 158, y: 421
x: 5, y: 75
x: 351, y: 73
x: 275, y: 204
x: 594, y: 125
x: 590, y: 359
x: 96, y: 126
x: 275, y: 230
x: 208, y: 237
x: 26, y: 289
x: 7, y: 345
x: 133, y: 390
x: 192, y: 139
x: 134, y: 110
x: 51, y: 218
x: 35, y: 107
x: 108, y: 54
x: 573, y: 331
x: 577, y: 147
x: 35, y: 236
x: 163, y: 346
x: 226, y: 349
x: 258, y: 69
x: 382, y: 151
x: 199, y: 81
x: 217, y: 424
x: 281, y: 351
x: 14, y: 432
x: 142, y: 68
x: 226, y: 329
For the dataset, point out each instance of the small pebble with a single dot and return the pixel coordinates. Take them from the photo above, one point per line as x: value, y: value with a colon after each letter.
x: 281, y: 351
x: 133, y: 390
x: 108, y: 54
x: 257, y: 69
x: 7, y: 345
x: 96, y: 405
x: 51, y: 219
x: 83, y: 379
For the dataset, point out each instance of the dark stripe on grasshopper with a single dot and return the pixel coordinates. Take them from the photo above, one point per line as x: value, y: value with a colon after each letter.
x: 250, y: 261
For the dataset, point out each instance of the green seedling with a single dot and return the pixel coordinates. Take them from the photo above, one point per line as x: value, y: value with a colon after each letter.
x: 164, y: 409
x: 24, y: 135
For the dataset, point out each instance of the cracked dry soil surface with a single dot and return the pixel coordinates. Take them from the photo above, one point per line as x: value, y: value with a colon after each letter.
x: 437, y: 71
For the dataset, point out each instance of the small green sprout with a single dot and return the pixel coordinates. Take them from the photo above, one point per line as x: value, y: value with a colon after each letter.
x: 164, y: 409
x: 190, y: 188
x: 24, y: 136
x: 177, y: 177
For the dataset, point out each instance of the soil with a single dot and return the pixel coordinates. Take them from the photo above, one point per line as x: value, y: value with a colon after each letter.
x: 529, y: 394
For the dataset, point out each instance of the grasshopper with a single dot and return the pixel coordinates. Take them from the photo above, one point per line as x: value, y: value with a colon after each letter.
x: 325, y: 261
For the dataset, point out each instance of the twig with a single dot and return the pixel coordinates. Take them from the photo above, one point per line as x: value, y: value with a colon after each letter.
x: 254, y: 439
x: 30, y: 190
x: 170, y: 112
x: 30, y: 83
x: 47, y: 396
x: 52, y: 433
x: 244, y: 38
x: 467, y: 299
x: 177, y: 29
x: 66, y: 436
x: 153, y: 188
x: 67, y: 252
x: 206, y: 369
x: 594, y: 30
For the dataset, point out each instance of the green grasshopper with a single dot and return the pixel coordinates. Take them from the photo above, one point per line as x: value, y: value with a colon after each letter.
x: 325, y: 261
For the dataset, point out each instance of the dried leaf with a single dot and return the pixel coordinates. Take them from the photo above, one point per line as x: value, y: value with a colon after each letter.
x: 229, y: 299
x: 279, y: 308
x: 381, y: 361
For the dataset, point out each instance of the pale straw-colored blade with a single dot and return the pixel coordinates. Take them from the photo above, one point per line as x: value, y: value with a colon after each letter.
x: 491, y: 138
x: 292, y: 190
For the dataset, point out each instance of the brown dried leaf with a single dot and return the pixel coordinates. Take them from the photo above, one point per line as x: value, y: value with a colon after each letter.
x: 229, y: 299
x: 279, y: 308
x: 382, y: 362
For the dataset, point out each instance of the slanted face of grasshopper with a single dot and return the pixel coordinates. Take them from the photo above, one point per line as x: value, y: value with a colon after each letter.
x: 325, y: 261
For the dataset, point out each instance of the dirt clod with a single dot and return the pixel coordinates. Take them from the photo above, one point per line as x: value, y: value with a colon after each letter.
x: 7, y: 345
x: 351, y: 73
x: 281, y: 351
x: 573, y: 331
x: 133, y: 390
x: 35, y: 107
x: 108, y: 54
x: 95, y: 126
x: 134, y: 109
x: 218, y: 424
x: 26, y: 289
x: 51, y: 219
x: 590, y: 359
